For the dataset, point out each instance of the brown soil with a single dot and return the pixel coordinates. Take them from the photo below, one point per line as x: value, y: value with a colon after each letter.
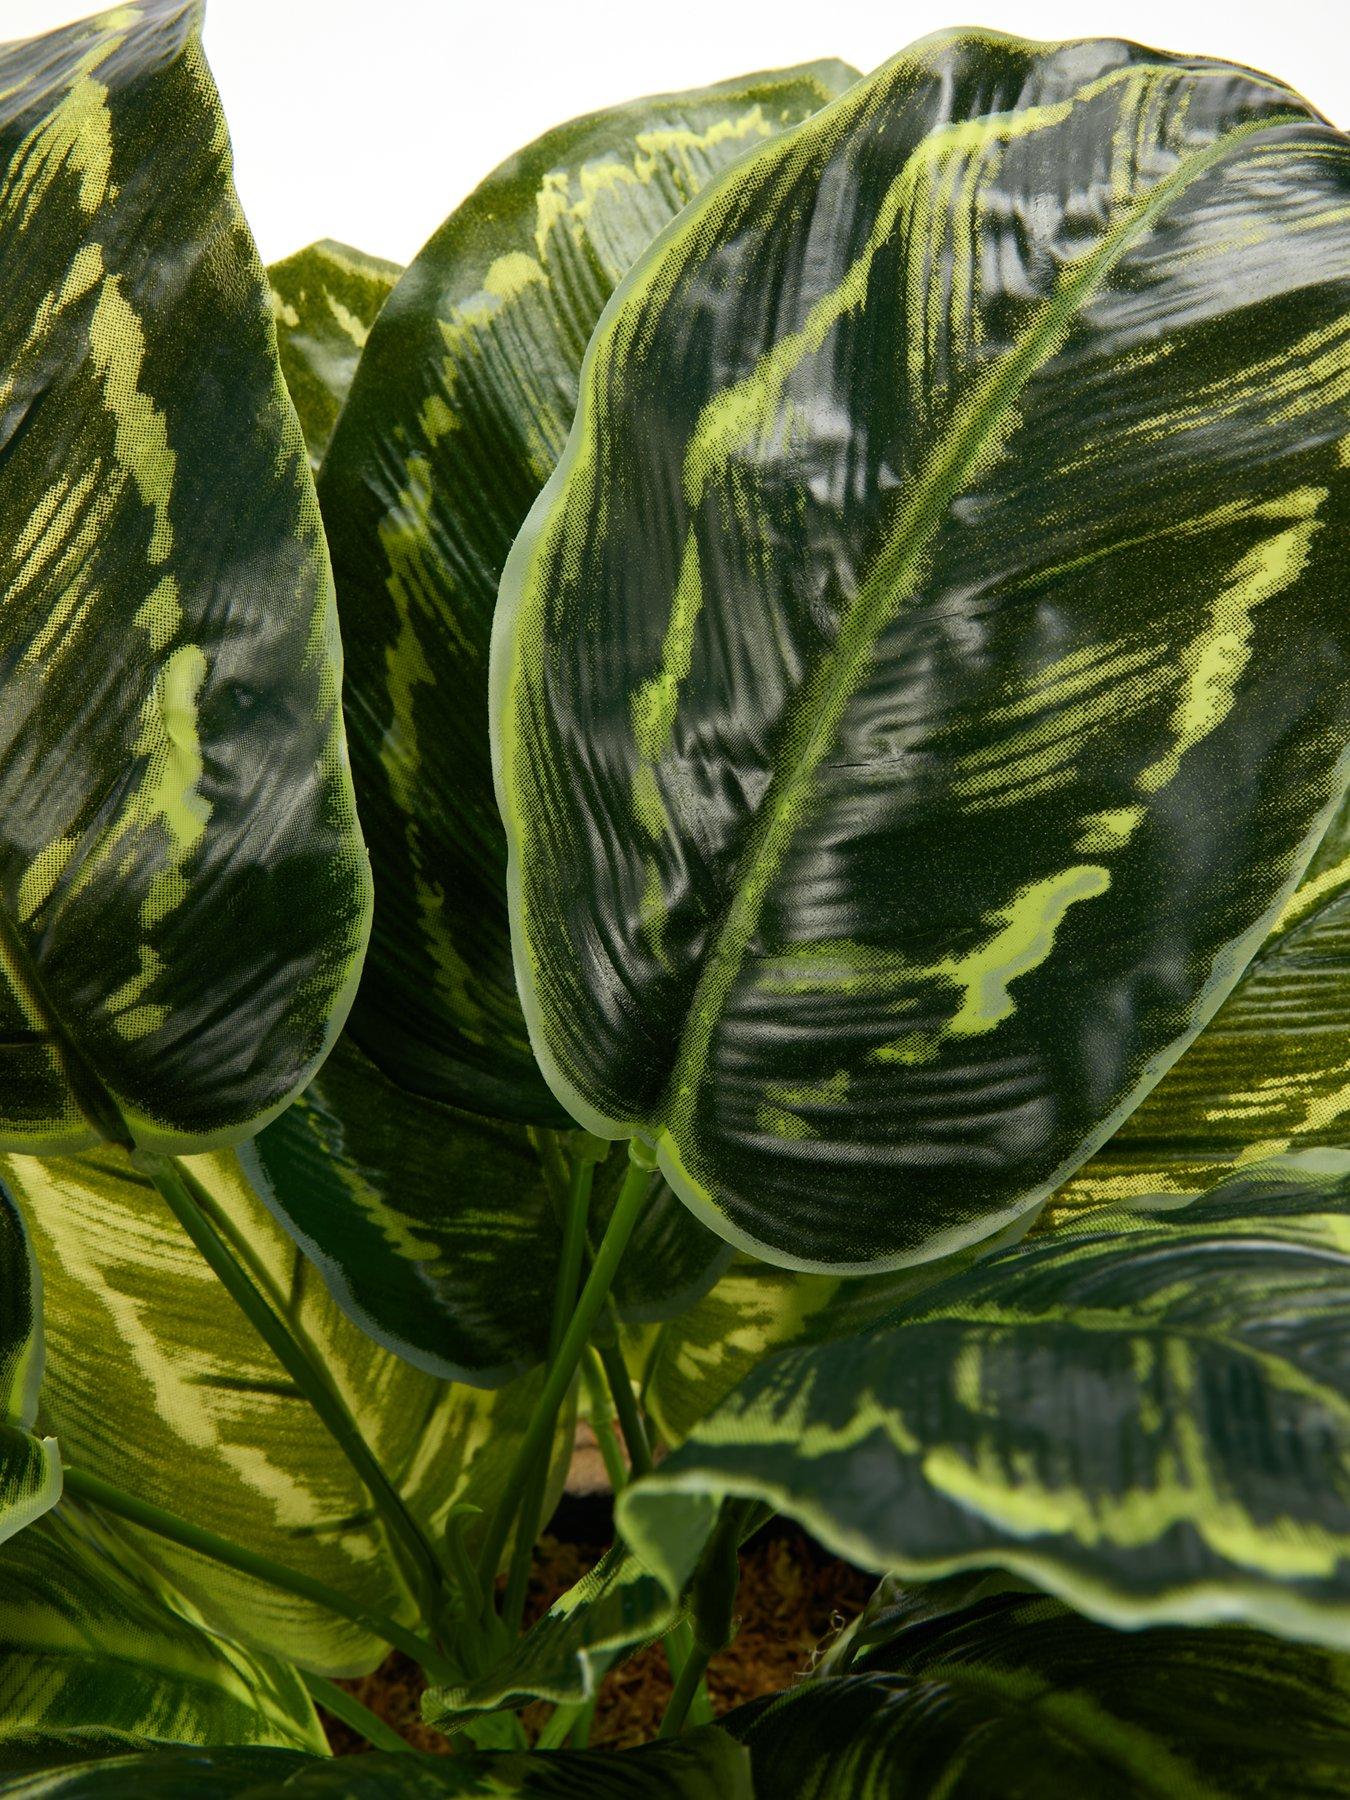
x: 793, y: 1596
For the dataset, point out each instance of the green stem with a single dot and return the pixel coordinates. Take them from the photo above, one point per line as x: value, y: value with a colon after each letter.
x: 539, y: 1433
x: 626, y: 1408
x: 234, y: 1556
x: 597, y: 1390
x: 564, y: 1304
x: 690, y: 1680
x: 336, y: 1700
x: 176, y: 1185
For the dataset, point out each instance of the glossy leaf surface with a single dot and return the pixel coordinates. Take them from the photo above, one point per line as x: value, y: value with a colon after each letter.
x: 704, y: 1765
x: 437, y: 1231
x: 184, y: 897
x: 1269, y: 1073
x: 156, y: 1382
x: 87, y: 1643
x: 325, y: 299
x: 925, y: 677
x: 1148, y: 1415
x: 457, y: 415
x: 1022, y: 1698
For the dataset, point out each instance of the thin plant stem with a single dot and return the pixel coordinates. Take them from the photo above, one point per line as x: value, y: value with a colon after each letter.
x: 597, y: 1390
x: 98, y: 1492
x: 557, y: 1728
x: 176, y: 1185
x: 539, y: 1432
x: 626, y: 1409
x: 336, y: 1700
x: 580, y: 1735
x: 564, y: 1302
x: 688, y: 1684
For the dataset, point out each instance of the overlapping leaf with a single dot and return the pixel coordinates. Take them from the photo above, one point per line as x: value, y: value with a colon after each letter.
x: 705, y: 1765
x: 923, y: 681
x: 1022, y: 1698
x: 87, y: 1645
x: 325, y: 299
x: 157, y: 1383
x: 30, y: 1465
x: 184, y: 896
x: 1269, y: 1073
x: 1148, y: 1415
x: 437, y: 1230
x: 702, y: 1353
x: 458, y: 411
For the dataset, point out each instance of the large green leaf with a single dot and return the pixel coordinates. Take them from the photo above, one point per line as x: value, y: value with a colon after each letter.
x: 700, y: 1355
x: 1147, y: 1415
x: 459, y: 409
x: 436, y: 1230
x: 157, y: 1383
x: 704, y: 1765
x: 184, y: 897
x: 325, y: 299
x: 88, y: 1644
x: 923, y: 680
x: 30, y: 1465
x: 1269, y: 1073
x: 1022, y: 1699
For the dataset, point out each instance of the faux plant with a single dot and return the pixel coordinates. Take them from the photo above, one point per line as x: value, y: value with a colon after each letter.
x: 842, y: 584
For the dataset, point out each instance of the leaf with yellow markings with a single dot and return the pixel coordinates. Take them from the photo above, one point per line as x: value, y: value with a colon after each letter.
x: 184, y: 896
x: 926, y: 676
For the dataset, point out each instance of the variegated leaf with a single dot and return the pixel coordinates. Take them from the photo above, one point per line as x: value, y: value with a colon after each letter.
x: 1269, y: 1073
x: 89, y: 1643
x: 437, y: 1231
x: 184, y: 897
x: 157, y: 1383
x: 30, y: 1465
x: 1148, y: 1415
x: 1019, y: 1697
x: 704, y: 1765
x: 701, y: 1354
x: 457, y: 414
x: 325, y: 300
x: 925, y: 677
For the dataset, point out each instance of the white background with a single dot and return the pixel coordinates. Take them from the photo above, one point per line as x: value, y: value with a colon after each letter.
x: 368, y: 120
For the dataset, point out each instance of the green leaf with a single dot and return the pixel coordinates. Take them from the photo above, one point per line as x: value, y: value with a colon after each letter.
x: 436, y: 1231
x: 756, y: 1309
x: 1021, y: 1698
x: 325, y: 300
x: 1147, y: 1415
x: 157, y: 1383
x: 1269, y: 1073
x: 703, y: 1765
x: 89, y: 1643
x: 184, y: 897
x: 457, y: 414
x: 922, y: 682
x: 30, y: 1466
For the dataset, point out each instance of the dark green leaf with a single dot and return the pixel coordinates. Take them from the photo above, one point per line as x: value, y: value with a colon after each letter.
x: 457, y: 414
x: 88, y: 1642
x: 325, y: 300
x: 924, y: 679
x: 705, y: 1765
x: 1148, y: 1415
x: 1019, y: 1697
x: 1269, y: 1073
x: 184, y: 897
x: 436, y: 1230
